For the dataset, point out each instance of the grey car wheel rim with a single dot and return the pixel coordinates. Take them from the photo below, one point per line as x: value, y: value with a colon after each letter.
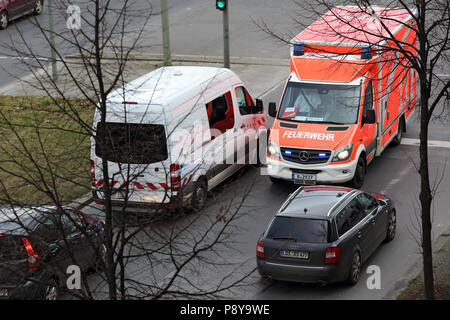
x: 51, y: 293
x: 38, y: 7
x: 392, y: 223
x: 356, y: 266
x: 3, y: 20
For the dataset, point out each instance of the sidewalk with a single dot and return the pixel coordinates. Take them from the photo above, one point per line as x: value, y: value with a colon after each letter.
x: 259, y: 74
x: 441, y: 263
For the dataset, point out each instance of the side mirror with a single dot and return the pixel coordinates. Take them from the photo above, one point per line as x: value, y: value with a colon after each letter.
x: 370, y: 117
x: 259, y: 106
x: 272, y: 109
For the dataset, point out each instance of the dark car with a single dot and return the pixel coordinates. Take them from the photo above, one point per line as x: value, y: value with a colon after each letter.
x: 37, y: 244
x: 13, y: 9
x: 324, y: 234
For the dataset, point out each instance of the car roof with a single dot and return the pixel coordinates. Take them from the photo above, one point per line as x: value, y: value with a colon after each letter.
x: 315, y: 202
x: 19, y: 220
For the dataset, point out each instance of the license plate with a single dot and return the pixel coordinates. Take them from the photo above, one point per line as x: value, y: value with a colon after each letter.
x: 3, y: 292
x: 302, y: 178
x: 294, y: 254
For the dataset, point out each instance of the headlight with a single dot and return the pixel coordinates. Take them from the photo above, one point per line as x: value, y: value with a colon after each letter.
x: 343, y: 154
x: 273, y: 150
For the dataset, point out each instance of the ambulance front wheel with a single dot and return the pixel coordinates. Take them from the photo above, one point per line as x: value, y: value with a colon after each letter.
x: 360, y: 174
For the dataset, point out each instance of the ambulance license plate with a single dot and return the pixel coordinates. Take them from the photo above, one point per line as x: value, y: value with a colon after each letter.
x: 302, y: 178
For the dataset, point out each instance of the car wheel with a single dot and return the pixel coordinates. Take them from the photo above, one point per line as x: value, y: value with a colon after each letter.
x: 360, y: 174
x: 398, y: 138
x: 355, y: 269
x: 392, y: 224
x: 100, y: 262
x: 51, y: 290
x: 3, y: 20
x: 276, y: 180
x: 38, y: 7
x: 199, y: 195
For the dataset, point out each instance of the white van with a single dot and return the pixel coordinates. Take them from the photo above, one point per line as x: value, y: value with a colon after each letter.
x: 174, y: 134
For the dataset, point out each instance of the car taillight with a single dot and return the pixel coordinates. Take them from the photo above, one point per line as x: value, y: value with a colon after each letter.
x: 92, y: 173
x: 260, y: 249
x: 175, y: 179
x: 332, y: 255
x: 33, y: 257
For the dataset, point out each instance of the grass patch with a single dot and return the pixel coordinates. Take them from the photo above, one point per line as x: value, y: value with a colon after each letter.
x: 45, y: 149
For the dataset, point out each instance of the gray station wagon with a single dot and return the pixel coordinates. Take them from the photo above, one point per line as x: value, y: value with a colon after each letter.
x: 324, y: 234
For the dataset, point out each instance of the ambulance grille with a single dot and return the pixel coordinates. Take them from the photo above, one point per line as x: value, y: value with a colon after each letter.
x: 305, y: 156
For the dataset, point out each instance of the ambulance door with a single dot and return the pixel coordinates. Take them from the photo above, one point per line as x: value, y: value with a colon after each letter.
x: 246, y: 125
x: 368, y: 130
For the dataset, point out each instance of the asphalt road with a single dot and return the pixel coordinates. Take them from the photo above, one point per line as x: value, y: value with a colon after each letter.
x: 196, y: 29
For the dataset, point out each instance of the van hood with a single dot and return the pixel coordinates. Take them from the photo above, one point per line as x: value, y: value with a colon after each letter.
x: 311, y: 135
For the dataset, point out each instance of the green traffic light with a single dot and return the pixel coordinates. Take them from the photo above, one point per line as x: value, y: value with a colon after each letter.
x: 220, y: 5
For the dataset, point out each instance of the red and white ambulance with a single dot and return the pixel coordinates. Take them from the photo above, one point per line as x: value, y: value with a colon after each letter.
x: 346, y: 99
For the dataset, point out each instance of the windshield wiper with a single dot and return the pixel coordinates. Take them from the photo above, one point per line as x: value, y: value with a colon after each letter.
x: 284, y: 238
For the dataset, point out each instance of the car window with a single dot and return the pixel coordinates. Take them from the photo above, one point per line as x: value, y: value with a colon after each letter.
x: 299, y: 230
x: 244, y: 101
x: 220, y: 114
x: 349, y: 216
x: 367, y: 202
x: 368, y: 99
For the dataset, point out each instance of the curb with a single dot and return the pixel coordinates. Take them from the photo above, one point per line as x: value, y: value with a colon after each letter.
x: 198, y: 59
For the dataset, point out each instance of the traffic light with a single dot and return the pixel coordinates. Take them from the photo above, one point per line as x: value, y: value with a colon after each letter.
x: 221, y: 4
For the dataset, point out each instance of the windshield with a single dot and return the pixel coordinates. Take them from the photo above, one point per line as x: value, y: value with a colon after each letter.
x: 306, y: 102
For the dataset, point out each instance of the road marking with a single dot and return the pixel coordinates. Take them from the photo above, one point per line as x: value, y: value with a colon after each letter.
x: 431, y: 143
x: 25, y: 58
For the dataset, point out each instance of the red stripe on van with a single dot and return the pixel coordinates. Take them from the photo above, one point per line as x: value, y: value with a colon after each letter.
x: 99, y: 183
x: 151, y: 186
x: 138, y: 185
x: 165, y: 186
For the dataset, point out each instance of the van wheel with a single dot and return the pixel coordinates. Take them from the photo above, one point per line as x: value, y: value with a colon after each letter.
x: 360, y: 174
x: 392, y: 223
x: 3, y: 20
x: 398, y: 138
x: 38, y: 7
x: 199, y: 196
x: 355, y: 269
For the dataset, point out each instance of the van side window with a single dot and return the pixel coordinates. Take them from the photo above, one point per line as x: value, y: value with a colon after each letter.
x: 349, y: 217
x: 368, y: 98
x: 220, y: 113
x: 244, y: 101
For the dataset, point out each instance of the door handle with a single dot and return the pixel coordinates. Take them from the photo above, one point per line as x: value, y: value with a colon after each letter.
x: 359, y: 234
x: 243, y: 126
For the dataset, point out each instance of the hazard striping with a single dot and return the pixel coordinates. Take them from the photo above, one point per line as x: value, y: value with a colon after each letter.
x: 431, y: 143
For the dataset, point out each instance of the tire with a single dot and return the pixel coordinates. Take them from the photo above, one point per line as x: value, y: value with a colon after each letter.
x: 3, y: 20
x: 355, y: 269
x: 276, y: 180
x: 100, y: 263
x: 51, y: 290
x: 199, y: 196
x: 398, y: 138
x: 391, y: 226
x: 38, y: 7
x: 360, y: 174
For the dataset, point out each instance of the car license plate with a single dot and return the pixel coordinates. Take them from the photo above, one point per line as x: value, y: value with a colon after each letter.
x: 3, y: 292
x: 302, y: 178
x: 294, y: 254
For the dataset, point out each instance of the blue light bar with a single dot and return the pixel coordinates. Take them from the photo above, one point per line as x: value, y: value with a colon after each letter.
x: 288, y: 152
x: 299, y: 48
x: 322, y: 155
x: 366, y: 52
